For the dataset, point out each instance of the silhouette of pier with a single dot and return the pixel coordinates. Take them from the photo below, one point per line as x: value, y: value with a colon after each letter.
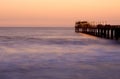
x: 100, y: 30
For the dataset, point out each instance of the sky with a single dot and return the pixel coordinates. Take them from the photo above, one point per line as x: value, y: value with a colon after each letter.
x: 57, y: 13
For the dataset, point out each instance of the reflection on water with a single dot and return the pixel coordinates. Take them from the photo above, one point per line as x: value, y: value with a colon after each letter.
x: 37, y: 53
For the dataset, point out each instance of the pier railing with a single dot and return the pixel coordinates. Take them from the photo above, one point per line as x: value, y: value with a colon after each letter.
x: 100, y: 30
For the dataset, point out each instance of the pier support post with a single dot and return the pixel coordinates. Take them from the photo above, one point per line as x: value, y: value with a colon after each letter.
x: 116, y: 33
x: 112, y: 33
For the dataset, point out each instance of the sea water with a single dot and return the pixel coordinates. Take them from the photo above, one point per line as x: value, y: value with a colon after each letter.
x: 56, y: 53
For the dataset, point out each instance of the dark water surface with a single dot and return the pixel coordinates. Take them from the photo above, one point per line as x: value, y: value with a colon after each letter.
x: 56, y: 53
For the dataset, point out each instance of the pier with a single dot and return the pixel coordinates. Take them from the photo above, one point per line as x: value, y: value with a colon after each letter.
x: 99, y: 30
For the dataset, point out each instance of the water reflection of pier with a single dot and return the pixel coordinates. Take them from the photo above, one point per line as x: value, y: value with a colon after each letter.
x: 100, y: 30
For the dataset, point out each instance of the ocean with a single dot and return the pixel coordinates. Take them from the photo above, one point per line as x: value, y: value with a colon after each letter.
x: 56, y: 53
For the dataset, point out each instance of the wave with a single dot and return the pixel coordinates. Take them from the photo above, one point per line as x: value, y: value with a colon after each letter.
x: 60, y: 40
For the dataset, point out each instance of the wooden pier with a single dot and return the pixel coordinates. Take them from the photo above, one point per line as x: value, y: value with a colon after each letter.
x: 100, y: 30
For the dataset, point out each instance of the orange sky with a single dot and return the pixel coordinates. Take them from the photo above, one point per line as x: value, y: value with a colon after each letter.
x: 57, y: 12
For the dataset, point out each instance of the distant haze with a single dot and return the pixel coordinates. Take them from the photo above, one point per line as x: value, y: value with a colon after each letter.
x: 56, y: 13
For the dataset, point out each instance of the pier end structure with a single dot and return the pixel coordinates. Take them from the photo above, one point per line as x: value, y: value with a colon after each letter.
x: 101, y: 30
